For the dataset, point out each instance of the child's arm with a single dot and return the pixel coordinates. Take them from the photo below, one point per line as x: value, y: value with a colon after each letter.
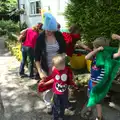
x: 116, y: 37
x: 83, y: 46
x: 23, y: 31
x: 116, y: 55
x: 49, y: 82
x: 91, y: 54
x: 42, y: 83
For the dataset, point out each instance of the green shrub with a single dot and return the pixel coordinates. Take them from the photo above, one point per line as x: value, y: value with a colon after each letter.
x: 2, y: 32
x: 9, y: 26
x: 12, y: 37
x: 94, y: 17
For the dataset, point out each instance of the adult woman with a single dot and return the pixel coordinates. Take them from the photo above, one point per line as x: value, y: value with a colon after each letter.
x: 49, y: 43
x: 28, y: 48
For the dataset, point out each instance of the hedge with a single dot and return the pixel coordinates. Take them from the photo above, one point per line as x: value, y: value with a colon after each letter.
x: 94, y: 17
x: 7, y: 27
x: 14, y: 48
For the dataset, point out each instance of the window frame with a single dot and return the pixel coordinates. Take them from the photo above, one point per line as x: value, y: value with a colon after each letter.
x: 35, y: 7
x: 60, y: 11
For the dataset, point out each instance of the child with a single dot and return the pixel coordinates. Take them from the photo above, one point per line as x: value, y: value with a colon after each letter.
x: 115, y: 36
x: 61, y: 77
x: 71, y: 38
x: 97, y: 73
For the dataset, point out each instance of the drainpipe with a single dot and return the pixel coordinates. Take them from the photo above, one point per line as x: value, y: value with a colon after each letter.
x: 18, y: 2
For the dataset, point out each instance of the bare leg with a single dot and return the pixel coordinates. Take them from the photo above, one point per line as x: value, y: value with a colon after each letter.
x: 99, y: 111
x: 87, y: 114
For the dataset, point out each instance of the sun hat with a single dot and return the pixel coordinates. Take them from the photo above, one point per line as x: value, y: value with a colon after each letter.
x: 50, y: 22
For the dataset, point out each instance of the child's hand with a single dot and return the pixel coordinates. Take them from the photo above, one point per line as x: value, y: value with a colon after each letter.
x: 43, y: 80
x: 42, y: 84
x: 115, y: 36
x: 100, y: 48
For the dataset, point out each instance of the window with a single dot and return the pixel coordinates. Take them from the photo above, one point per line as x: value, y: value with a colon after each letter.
x: 35, y: 7
x: 61, y: 5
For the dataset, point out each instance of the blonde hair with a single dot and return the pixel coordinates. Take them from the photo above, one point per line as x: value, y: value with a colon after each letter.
x: 101, y: 41
x: 58, y: 59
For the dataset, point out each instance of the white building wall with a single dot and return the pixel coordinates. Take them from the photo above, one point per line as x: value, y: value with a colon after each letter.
x: 55, y: 8
x: 31, y: 20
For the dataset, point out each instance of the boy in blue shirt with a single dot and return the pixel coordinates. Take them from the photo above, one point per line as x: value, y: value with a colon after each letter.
x: 97, y: 73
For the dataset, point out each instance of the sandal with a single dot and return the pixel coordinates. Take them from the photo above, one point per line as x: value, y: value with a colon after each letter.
x: 87, y: 114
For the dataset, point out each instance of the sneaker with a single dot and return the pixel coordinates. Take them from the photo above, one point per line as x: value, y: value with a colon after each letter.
x: 69, y: 112
x: 71, y: 108
x: 31, y: 77
x: 23, y: 75
x: 49, y: 110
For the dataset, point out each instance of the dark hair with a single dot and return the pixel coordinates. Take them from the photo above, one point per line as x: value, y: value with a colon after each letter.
x: 40, y: 25
x: 74, y: 28
x: 58, y: 26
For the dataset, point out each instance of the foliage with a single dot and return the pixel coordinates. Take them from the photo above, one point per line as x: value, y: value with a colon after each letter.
x: 15, y: 48
x: 94, y: 17
x: 2, y: 32
x: 20, y: 11
x: 7, y: 5
x: 8, y: 27
x: 12, y: 37
x: 8, y: 9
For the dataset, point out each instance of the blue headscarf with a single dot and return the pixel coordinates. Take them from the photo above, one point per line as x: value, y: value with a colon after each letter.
x: 50, y: 22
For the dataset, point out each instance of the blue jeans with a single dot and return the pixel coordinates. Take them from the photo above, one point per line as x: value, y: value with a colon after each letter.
x: 59, y: 105
x: 27, y: 52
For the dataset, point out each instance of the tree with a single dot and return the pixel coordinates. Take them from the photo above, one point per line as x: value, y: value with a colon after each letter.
x: 7, y: 5
x: 95, y: 17
x: 7, y: 9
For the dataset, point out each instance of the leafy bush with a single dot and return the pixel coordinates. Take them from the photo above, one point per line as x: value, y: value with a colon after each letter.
x: 12, y: 37
x: 2, y: 32
x: 8, y: 26
x: 95, y: 17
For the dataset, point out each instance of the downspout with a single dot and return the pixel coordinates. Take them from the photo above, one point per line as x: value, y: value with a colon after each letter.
x: 19, y: 14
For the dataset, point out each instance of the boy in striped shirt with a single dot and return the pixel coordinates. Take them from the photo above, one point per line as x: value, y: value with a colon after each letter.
x: 97, y: 73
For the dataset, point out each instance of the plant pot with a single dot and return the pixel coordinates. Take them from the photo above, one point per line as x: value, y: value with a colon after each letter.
x: 78, y: 61
x: 88, y: 62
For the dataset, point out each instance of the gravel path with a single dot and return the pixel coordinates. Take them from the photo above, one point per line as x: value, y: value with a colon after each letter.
x: 18, y: 102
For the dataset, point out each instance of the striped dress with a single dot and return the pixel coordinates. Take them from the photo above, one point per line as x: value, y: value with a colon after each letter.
x: 52, y: 50
x: 97, y: 73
